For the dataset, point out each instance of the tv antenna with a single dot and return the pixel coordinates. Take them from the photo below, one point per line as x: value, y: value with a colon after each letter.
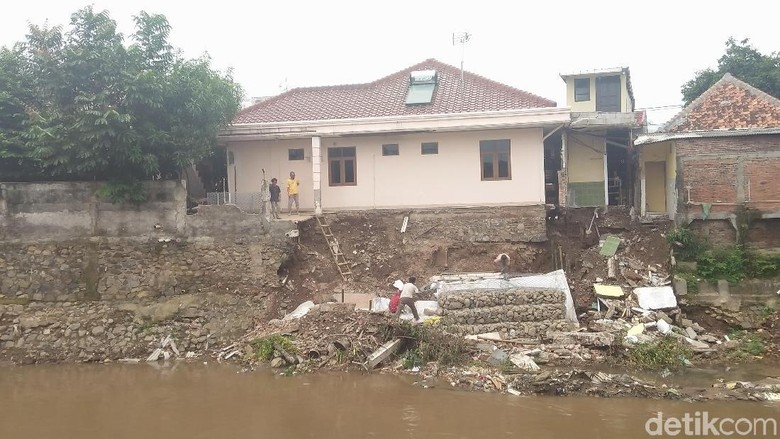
x: 461, y: 38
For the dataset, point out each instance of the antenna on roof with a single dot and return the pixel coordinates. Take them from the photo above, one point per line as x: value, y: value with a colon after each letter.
x: 461, y: 38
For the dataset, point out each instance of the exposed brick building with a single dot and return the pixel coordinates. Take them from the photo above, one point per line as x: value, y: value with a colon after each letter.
x: 718, y: 159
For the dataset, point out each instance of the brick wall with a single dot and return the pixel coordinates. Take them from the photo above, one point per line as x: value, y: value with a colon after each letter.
x: 762, y: 179
x: 717, y: 233
x: 728, y: 145
x: 730, y: 170
x: 711, y: 181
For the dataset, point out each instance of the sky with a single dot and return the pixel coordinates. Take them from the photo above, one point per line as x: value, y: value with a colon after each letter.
x: 274, y: 45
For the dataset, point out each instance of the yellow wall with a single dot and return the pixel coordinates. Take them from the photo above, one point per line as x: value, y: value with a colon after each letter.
x: 660, y: 152
x: 585, y: 164
x: 410, y: 179
x: 590, y: 105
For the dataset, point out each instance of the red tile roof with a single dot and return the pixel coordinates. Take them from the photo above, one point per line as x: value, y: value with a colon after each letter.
x: 729, y: 104
x: 386, y: 97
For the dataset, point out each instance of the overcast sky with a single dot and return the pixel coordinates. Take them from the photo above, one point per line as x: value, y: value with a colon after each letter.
x: 525, y: 44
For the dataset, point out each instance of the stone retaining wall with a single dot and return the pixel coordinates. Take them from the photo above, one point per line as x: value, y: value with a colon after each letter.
x: 517, y: 312
x: 123, y: 269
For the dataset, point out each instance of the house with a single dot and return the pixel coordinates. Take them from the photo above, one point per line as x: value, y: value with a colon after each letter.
x: 718, y: 159
x: 430, y: 135
x: 591, y: 163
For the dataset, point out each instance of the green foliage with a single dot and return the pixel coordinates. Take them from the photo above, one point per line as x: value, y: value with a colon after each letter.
x: 750, y: 345
x: 735, y: 264
x: 665, y: 353
x: 762, y: 266
x: 431, y: 344
x: 727, y: 263
x: 119, y: 192
x: 685, y: 244
x: 82, y: 104
x: 744, y: 62
x: 767, y: 311
x: 264, y: 347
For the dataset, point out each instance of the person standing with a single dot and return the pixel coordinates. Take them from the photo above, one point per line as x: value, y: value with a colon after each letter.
x: 292, y: 193
x: 276, y: 193
x: 408, y: 292
x: 503, y: 261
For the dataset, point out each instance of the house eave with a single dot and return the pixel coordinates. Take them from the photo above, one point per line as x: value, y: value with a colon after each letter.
x: 535, y: 117
x: 663, y: 137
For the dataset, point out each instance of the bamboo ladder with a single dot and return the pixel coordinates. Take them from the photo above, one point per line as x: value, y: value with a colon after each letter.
x: 335, y: 249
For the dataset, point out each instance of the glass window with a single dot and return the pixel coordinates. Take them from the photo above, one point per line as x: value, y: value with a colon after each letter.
x: 295, y: 154
x: 495, y: 159
x: 342, y: 166
x: 582, y: 90
x: 390, y: 149
x: 429, y: 148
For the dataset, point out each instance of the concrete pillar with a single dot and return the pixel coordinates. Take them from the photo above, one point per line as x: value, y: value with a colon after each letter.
x: 316, y: 162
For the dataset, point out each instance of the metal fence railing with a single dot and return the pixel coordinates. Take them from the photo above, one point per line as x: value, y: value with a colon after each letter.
x: 250, y: 202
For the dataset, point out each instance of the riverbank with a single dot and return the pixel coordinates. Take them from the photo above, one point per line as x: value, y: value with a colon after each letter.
x: 335, y: 337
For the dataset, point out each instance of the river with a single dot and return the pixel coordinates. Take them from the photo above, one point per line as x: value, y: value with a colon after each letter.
x: 216, y: 401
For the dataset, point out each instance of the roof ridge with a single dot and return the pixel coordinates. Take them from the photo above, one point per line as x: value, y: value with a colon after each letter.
x: 766, y: 97
x: 679, y: 118
x: 727, y: 78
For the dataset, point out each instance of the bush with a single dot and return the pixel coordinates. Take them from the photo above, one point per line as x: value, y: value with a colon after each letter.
x: 762, y: 266
x: 665, y: 353
x: 685, y: 244
x: 432, y: 344
x: 728, y: 263
x: 264, y: 347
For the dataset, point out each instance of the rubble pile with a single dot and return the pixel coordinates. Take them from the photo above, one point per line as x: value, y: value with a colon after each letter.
x: 332, y: 335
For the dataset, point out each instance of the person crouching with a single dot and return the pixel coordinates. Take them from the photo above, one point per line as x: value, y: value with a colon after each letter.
x: 408, y: 292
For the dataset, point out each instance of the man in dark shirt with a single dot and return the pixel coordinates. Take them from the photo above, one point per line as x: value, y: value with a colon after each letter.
x: 275, y: 194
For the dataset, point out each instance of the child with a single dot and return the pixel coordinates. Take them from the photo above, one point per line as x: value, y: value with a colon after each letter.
x: 275, y: 194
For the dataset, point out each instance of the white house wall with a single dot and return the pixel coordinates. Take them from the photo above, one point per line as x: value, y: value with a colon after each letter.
x: 450, y: 178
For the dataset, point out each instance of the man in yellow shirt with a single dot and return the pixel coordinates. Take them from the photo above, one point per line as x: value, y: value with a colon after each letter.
x: 292, y: 193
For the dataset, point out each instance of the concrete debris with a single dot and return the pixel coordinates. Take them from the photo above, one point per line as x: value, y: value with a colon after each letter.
x: 524, y: 362
x: 595, y: 339
x: 653, y: 298
x: 382, y: 353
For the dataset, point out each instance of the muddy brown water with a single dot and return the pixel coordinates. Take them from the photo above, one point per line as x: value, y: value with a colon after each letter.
x: 213, y: 401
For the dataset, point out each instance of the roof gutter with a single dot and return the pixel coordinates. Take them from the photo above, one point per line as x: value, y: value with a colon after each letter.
x: 535, y: 117
x: 647, y: 139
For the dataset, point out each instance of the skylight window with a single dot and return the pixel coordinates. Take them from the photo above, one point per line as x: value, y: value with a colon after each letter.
x: 421, y: 86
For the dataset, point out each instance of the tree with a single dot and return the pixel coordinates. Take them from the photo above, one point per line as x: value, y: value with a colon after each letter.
x: 83, y: 105
x: 743, y: 61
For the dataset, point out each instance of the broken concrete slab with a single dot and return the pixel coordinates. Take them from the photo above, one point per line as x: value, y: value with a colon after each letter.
x: 636, y: 329
x: 382, y: 353
x: 300, y: 311
x: 593, y: 339
x: 690, y: 332
x: 524, y: 362
x: 656, y: 297
x: 609, y: 291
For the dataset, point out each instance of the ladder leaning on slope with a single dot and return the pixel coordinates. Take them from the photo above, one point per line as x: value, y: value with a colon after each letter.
x: 335, y: 249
